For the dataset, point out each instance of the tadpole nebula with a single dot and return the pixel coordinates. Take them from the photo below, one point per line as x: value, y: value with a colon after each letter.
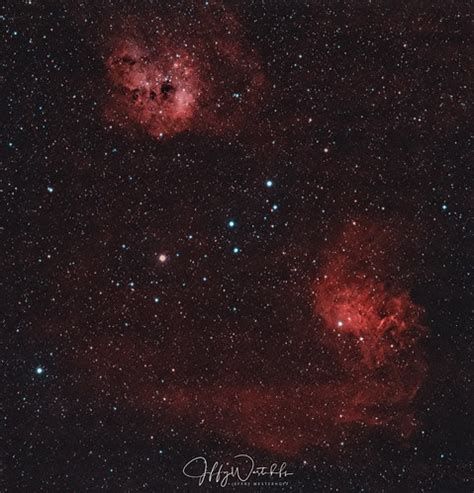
x: 206, y: 78
x: 236, y: 237
x: 160, y: 94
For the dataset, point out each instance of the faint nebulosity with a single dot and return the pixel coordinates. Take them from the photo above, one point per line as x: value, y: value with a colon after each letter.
x: 237, y: 227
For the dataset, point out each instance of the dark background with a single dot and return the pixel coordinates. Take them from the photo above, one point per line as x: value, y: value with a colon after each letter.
x: 387, y: 87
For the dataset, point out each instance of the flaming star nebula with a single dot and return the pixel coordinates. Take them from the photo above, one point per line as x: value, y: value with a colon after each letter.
x: 361, y: 306
x: 373, y: 332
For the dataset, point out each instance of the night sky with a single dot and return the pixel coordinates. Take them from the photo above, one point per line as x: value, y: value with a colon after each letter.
x: 236, y: 228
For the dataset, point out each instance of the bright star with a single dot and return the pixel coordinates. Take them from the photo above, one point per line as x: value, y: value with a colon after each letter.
x: 39, y: 370
x: 269, y: 183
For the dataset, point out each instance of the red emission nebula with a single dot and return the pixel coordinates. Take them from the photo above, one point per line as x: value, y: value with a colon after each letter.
x: 373, y: 330
x: 165, y: 81
x: 364, y: 318
x: 237, y: 228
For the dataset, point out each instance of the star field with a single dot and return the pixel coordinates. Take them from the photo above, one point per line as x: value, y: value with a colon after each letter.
x: 236, y: 228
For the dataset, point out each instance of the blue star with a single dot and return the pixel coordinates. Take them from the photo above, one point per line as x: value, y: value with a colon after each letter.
x: 39, y: 370
x: 269, y: 183
x: 231, y: 223
x: 236, y: 250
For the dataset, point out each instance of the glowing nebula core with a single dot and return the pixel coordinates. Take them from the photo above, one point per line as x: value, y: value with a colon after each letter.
x: 165, y: 84
x: 159, y: 94
x: 362, y: 305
